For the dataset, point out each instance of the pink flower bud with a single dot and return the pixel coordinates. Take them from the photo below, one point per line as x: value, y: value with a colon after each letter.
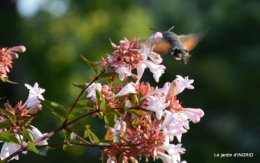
x: 18, y: 49
x: 13, y: 55
x: 34, y: 109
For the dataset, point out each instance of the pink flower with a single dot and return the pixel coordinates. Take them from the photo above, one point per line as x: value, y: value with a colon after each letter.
x: 157, y: 105
x: 6, y: 57
x: 123, y: 71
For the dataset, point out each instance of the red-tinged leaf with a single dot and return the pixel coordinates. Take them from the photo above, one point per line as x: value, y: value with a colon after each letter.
x: 9, y: 115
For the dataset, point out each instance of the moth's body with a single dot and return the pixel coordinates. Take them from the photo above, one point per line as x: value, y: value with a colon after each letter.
x: 177, y: 45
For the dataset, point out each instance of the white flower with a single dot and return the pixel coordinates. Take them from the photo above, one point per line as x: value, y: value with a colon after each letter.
x: 190, y: 114
x: 92, y: 90
x: 33, y: 103
x: 182, y: 83
x: 129, y: 88
x: 123, y: 71
x: 119, y: 129
x: 10, y: 148
x: 157, y: 70
x: 173, y: 151
x: 37, y: 134
x: 157, y: 105
x: 152, y: 64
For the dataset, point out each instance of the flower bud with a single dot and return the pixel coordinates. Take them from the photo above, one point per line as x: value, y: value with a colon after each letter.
x: 34, y: 109
x: 18, y: 49
x: 13, y: 55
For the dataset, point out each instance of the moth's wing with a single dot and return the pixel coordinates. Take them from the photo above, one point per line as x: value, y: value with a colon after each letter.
x: 191, y: 40
x: 161, y: 45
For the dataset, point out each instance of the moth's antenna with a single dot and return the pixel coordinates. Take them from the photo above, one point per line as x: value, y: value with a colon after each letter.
x: 170, y: 28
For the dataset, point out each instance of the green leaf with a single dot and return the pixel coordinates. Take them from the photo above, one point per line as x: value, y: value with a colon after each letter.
x: 74, y: 115
x: 91, y: 64
x: 100, y: 100
x: 92, y: 137
x: 57, y: 109
x: 27, y: 135
x: 9, y: 114
x: 82, y: 104
x: 110, y: 119
x: 5, y: 124
x: 81, y: 86
x: 109, y: 74
x: 7, y: 136
x: 32, y: 147
x: 67, y: 135
x: 25, y: 120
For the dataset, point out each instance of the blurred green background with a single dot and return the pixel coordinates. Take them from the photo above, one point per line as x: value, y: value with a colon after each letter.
x: 225, y: 65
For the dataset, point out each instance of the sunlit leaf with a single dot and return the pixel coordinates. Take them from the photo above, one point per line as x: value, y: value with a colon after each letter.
x: 91, y: 64
x: 27, y: 135
x: 56, y: 108
x: 32, y: 147
x: 9, y: 114
x: 100, y: 100
x: 110, y: 119
x: 92, y: 137
x: 7, y: 136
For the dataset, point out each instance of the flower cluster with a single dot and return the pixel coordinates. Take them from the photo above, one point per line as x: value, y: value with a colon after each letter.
x: 141, y: 120
x: 15, y: 120
x: 6, y: 57
x: 148, y: 117
x: 133, y: 55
